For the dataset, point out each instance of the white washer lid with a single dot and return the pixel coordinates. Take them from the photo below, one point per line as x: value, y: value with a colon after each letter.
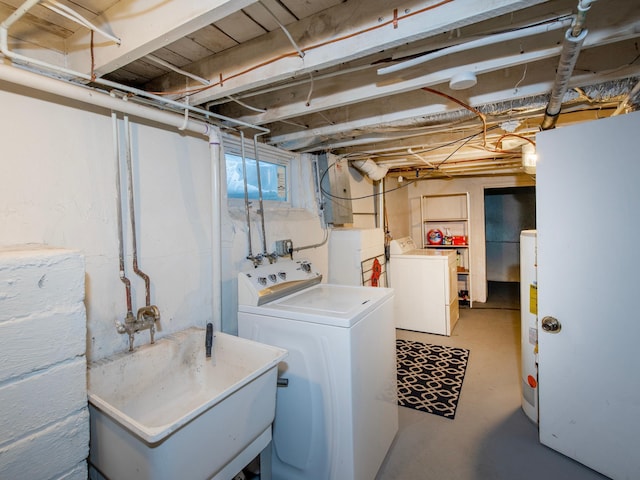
x: 327, y: 304
x: 427, y: 253
x: 402, y: 245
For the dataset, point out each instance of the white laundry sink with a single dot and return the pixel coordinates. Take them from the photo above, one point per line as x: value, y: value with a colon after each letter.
x: 165, y: 411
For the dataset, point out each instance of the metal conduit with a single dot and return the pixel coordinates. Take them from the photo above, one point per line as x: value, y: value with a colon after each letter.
x: 123, y: 278
x: 255, y: 260
x: 261, y: 205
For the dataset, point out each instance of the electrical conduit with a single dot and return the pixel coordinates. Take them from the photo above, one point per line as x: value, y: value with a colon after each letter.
x: 273, y: 257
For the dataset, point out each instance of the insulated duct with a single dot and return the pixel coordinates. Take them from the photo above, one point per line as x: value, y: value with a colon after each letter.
x: 370, y: 168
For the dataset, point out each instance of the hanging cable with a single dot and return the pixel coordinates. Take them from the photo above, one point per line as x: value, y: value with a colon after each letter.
x: 171, y: 67
x: 284, y: 29
x: 255, y: 109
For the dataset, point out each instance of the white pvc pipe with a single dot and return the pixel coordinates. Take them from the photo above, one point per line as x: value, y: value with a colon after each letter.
x: 159, y: 61
x: 18, y: 13
x: 86, y: 95
x: 481, y: 42
x: 160, y: 101
x: 370, y: 168
x: 74, y: 16
x: 216, y: 227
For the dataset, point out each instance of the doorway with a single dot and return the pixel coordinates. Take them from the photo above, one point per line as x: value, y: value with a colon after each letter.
x: 507, y: 211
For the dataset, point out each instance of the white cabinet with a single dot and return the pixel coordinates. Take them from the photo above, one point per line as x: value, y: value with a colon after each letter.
x: 445, y: 225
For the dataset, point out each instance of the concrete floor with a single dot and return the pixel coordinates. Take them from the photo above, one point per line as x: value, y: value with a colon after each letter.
x: 490, y: 438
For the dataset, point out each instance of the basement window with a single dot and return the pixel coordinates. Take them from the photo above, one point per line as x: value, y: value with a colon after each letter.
x: 274, y: 171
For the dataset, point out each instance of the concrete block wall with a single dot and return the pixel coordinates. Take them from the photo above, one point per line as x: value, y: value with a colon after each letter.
x: 44, y: 419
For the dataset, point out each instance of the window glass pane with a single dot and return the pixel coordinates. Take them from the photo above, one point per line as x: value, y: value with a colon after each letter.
x: 273, y: 178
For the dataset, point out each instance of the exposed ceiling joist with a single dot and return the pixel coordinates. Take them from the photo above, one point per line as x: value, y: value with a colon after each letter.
x: 311, y: 72
x: 365, y: 27
x: 144, y: 26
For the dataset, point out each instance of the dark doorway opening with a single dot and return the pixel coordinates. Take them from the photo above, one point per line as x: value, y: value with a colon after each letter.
x: 508, y: 211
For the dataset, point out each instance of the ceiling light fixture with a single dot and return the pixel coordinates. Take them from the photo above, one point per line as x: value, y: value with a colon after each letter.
x: 529, y: 158
x: 463, y: 80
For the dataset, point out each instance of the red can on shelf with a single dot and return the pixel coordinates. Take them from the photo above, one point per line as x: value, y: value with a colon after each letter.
x: 459, y: 240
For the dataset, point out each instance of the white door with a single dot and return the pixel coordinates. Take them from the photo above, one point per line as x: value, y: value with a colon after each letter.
x: 588, y: 210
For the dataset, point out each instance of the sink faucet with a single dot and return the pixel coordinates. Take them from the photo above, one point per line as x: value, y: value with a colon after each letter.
x: 209, y: 339
x: 146, y: 319
x: 272, y: 257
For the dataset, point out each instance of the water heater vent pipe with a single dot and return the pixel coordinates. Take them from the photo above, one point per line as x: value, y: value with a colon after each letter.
x: 573, y: 40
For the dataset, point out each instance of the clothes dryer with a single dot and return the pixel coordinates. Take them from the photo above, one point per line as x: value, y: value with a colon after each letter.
x: 424, y: 282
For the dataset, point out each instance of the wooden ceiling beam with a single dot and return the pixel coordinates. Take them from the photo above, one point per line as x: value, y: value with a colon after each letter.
x: 344, y: 33
x: 144, y: 26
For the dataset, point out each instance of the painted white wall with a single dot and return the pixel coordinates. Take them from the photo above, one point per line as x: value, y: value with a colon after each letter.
x: 397, y: 207
x: 364, y: 203
x: 57, y: 187
x: 407, y: 200
x: 42, y: 356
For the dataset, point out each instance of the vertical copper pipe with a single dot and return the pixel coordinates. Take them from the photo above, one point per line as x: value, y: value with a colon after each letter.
x: 116, y: 146
x: 140, y: 273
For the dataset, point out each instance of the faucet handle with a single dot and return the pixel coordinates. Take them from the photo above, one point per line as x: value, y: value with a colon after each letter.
x: 209, y: 339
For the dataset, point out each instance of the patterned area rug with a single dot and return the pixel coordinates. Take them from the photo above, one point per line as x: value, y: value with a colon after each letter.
x: 430, y: 376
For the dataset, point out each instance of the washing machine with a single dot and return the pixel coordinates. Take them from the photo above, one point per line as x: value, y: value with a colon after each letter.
x: 425, y: 285
x: 337, y: 415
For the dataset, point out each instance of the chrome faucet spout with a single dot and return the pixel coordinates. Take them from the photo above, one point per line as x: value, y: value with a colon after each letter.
x: 146, y: 319
x: 148, y: 315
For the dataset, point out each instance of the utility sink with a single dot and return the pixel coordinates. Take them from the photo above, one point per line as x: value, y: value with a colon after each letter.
x: 165, y: 411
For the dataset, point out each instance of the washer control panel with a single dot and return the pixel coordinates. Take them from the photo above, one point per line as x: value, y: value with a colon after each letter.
x: 266, y: 283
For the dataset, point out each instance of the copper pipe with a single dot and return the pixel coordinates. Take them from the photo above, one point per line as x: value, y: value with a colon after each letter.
x: 123, y: 278
x: 140, y: 273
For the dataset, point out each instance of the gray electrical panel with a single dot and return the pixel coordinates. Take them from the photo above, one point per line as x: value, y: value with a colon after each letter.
x: 335, y: 191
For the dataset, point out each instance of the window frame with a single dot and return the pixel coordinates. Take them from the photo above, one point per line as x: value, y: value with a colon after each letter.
x: 266, y: 153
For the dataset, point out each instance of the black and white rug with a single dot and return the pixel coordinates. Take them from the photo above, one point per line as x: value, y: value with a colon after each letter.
x: 430, y: 376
